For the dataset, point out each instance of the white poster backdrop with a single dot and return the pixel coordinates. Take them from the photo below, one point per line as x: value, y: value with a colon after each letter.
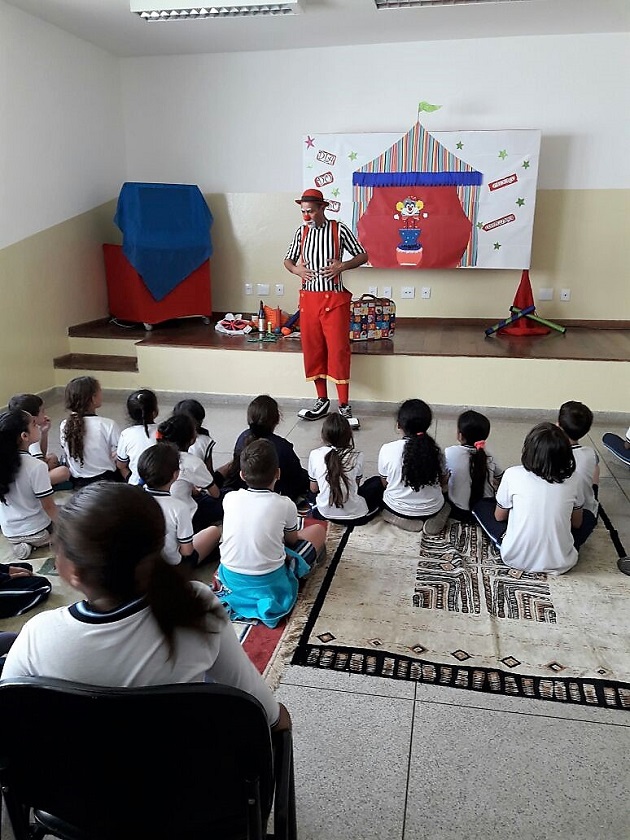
x: 508, y: 160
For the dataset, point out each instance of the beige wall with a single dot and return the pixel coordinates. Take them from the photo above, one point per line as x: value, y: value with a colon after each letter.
x: 578, y: 236
x: 56, y: 278
x: 49, y: 281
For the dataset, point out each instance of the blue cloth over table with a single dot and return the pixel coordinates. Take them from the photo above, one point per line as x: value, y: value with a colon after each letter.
x: 166, y: 232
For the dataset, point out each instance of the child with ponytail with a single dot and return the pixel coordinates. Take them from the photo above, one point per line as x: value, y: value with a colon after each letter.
x: 89, y: 441
x: 142, y: 407
x: 473, y: 472
x: 413, y: 473
x: 195, y: 485
x: 335, y: 471
x: 27, y: 511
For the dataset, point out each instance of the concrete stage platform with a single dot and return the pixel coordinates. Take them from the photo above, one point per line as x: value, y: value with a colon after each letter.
x: 444, y: 362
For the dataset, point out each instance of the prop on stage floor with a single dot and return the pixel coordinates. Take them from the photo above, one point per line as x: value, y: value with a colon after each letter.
x: 523, y: 320
x: 162, y: 271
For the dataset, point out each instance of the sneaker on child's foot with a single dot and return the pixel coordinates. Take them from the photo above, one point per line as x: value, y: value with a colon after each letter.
x: 319, y: 410
x: 22, y: 550
x: 346, y: 411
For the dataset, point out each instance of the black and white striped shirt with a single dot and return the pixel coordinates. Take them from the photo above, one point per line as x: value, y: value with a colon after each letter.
x: 320, y: 246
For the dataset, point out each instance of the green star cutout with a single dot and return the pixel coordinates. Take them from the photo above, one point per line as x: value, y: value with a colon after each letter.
x: 460, y: 145
x: 497, y: 245
x: 352, y: 156
x: 520, y: 201
x: 479, y: 225
x: 335, y: 192
x: 525, y: 164
x: 503, y: 154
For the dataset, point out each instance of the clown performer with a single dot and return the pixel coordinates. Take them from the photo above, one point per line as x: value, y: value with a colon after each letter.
x: 315, y: 256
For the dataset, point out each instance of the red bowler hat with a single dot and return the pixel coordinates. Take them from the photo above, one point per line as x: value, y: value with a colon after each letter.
x: 312, y: 195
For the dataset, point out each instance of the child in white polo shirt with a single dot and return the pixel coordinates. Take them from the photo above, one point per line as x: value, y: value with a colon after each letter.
x: 258, y: 579
x: 27, y: 511
x: 158, y: 467
x: 575, y: 419
x: 541, y: 500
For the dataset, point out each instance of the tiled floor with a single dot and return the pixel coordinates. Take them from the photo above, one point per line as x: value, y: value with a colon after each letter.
x: 385, y: 759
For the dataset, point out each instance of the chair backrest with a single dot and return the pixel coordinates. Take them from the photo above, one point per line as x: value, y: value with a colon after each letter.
x: 163, y: 761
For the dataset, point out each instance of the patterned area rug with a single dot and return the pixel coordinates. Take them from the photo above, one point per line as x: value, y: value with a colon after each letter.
x: 444, y: 610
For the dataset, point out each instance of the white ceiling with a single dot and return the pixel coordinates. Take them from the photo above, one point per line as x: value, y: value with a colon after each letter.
x: 110, y: 24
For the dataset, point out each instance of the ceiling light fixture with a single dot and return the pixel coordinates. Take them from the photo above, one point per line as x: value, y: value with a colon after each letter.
x: 382, y: 5
x: 165, y: 10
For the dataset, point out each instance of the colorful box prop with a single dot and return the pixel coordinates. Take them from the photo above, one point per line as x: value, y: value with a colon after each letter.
x: 372, y: 318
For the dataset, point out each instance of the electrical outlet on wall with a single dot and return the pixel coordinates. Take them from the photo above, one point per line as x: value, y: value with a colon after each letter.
x: 249, y: 289
x: 373, y: 290
x: 387, y: 292
x: 565, y: 294
x: 425, y: 293
x: 407, y: 292
x: 279, y: 289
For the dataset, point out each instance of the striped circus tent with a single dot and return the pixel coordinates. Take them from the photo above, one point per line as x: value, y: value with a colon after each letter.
x: 418, y: 167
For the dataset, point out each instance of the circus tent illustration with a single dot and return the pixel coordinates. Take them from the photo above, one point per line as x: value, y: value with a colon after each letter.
x: 415, y: 205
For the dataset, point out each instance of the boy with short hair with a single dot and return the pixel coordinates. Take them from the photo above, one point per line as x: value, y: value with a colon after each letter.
x: 575, y: 419
x: 58, y: 474
x: 259, y: 528
x: 158, y: 467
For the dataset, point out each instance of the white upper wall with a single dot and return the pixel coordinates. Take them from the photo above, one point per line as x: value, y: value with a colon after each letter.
x: 234, y: 122
x: 61, y: 128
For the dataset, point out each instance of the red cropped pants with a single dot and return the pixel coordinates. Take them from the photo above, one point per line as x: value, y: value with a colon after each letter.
x: 325, y: 331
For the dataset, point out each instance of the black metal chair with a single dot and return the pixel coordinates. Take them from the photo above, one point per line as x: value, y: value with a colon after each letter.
x: 83, y: 762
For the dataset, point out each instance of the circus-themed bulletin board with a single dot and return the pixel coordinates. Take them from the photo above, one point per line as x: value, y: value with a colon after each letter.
x: 445, y: 199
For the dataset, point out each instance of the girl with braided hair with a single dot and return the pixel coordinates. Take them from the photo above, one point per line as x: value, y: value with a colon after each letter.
x: 89, y: 441
x: 413, y: 473
x: 473, y: 472
x: 335, y: 471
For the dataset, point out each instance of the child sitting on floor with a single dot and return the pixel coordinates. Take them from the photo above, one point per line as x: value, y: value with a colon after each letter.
x: 263, y: 417
x: 26, y: 513
x: 158, y: 467
x: 142, y: 408
x: 414, y: 474
x: 59, y: 475
x: 473, y: 474
x: 194, y: 485
x: 259, y: 580
x: 335, y: 471
x: 204, y: 442
x: 575, y: 419
x: 88, y: 441
x: 541, y: 500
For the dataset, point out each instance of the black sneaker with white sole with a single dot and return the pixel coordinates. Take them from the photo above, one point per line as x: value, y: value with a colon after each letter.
x: 346, y: 411
x: 320, y: 409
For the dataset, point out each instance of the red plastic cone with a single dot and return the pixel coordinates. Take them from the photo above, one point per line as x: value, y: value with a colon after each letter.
x: 524, y: 297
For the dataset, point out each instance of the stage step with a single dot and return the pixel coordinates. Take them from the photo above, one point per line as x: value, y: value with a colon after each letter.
x: 110, y: 370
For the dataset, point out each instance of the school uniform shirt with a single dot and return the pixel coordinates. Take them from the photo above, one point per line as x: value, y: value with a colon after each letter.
x: 100, y: 440
x: 192, y: 473
x: 131, y: 444
x: 179, y: 527
x: 254, y: 525
x: 586, y: 461
x: 125, y: 647
x: 397, y: 496
x: 457, y: 460
x: 293, y: 481
x: 201, y: 447
x: 354, y: 506
x: 538, y: 536
x: 23, y: 514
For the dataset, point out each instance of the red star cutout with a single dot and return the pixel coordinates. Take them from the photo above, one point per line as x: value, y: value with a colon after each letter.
x: 310, y: 142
